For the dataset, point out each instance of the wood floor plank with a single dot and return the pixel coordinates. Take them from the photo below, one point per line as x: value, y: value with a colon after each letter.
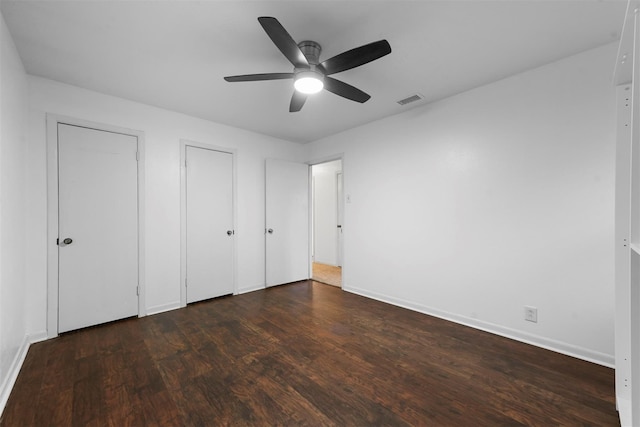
x: 302, y: 354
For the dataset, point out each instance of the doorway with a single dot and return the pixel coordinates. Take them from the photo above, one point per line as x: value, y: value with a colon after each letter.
x: 327, y: 221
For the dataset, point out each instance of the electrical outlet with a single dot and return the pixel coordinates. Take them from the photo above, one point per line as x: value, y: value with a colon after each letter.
x: 531, y: 314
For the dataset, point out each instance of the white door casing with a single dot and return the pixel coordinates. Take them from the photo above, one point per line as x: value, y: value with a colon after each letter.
x: 627, y: 223
x: 98, y: 211
x: 209, y: 223
x: 340, y: 206
x: 287, y: 222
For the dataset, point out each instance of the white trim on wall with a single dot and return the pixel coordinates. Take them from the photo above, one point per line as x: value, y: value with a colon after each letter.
x: 157, y: 309
x: 247, y: 289
x: 627, y: 226
x: 12, y: 374
x: 536, y: 340
x: 16, y: 365
x: 184, y: 143
x: 52, y: 212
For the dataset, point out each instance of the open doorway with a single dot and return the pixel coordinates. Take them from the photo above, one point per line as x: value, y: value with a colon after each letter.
x: 327, y: 208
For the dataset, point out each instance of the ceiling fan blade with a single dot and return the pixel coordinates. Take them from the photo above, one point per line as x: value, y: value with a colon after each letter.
x: 297, y: 101
x: 345, y: 90
x: 283, y: 41
x: 259, y: 77
x: 356, y: 57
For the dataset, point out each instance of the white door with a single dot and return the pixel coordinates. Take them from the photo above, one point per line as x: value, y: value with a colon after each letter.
x: 287, y: 222
x: 98, y: 227
x: 209, y: 224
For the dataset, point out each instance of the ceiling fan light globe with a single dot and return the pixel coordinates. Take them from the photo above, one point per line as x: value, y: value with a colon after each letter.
x: 308, y: 82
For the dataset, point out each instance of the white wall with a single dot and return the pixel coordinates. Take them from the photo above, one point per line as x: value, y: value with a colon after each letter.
x: 163, y: 131
x: 475, y: 206
x: 13, y: 117
x: 325, y: 212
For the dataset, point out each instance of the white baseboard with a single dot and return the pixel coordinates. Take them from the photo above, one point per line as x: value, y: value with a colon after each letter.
x: 538, y: 341
x: 162, y: 308
x: 16, y: 365
x: 38, y: 336
x: 624, y: 411
x: 250, y: 289
x: 9, y: 381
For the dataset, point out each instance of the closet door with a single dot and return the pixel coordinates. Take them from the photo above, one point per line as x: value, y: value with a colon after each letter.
x: 98, y: 227
x: 209, y: 225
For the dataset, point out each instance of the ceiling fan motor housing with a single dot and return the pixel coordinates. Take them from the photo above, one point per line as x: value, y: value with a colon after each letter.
x: 311, y: 51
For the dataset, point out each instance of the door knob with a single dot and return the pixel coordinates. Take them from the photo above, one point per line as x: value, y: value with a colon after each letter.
x: 67, y: 241
x: 229, y: 232
x: 270, y: 231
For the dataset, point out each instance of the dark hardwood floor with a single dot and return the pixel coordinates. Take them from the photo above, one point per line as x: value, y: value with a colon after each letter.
x: 302, y: 354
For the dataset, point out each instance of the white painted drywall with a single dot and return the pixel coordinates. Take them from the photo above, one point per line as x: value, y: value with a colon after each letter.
x: 325, y: 212
x: 472, y: 207
x: 163, y: 131
x: 13, y: 158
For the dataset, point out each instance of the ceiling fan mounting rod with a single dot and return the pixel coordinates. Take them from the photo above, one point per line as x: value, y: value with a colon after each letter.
x: 311, y: 51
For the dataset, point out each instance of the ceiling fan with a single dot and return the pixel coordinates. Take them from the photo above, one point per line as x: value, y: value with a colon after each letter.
x: 309, y: 74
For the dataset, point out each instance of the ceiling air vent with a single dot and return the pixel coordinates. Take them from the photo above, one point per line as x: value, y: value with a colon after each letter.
x: 412, y: 98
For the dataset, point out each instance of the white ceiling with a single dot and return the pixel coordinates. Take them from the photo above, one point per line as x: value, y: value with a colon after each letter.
x: 174, y: 54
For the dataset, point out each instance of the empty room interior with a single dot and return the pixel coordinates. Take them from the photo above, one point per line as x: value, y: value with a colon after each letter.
x: 174, y: 175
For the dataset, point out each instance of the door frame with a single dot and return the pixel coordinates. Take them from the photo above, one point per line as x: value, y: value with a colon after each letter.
x: 52, y: 122
x: 340, y: 210
x: 318, y: 161
x: 184, y: 143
